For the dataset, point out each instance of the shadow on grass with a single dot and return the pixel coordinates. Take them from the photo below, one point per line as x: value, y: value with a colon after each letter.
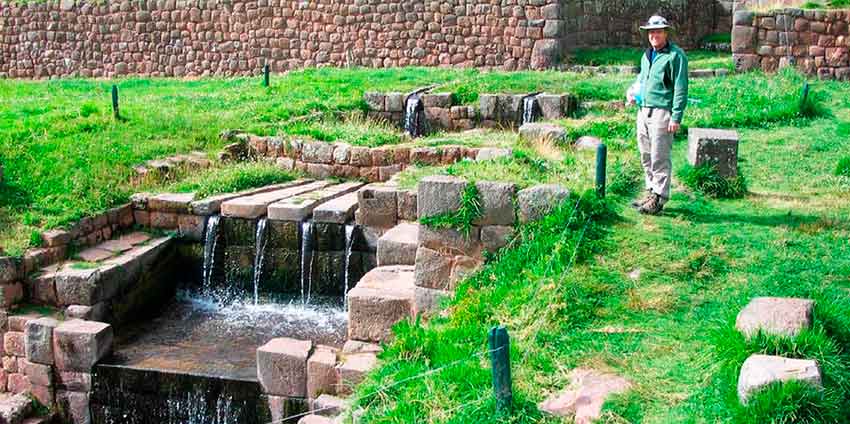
x: 787, y: 219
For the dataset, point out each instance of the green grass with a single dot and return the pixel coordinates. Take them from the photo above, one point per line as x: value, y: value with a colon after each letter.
x: 706, y: 180
x: 461, y: 219
x: 353, y: 130
x: 231, y: 179
x: 697, y: 59
x: 720, y: 37
x: 654, y: 299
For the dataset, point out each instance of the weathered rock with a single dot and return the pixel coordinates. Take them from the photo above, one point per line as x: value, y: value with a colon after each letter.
x: 39, y: 340
x: 433, y: 269
x: 775, y: 315
x: 552, y: 105
x: 282, y: 366
x: 38, y: 374
x: 378, y: 206
x: 73, y: 381
x: 358, y: 346
x: 407, y: 205
x: 398, y: 245
x: 79, y: 344
x: 256, y: 205
x: 535, y: 202
x: 587, y: 142
x: 315, y: 419
x: 539, y: 131
x: 353, y: 369
x: 494, y: 237
x: 375, y: 100
x: 317, y: 152
x: 487, y: 106
x: 497, y: 203
x: 338, y: 211
x: 328, y: 405
x: 94, y: 254
x: 427, y: 300
x: 761, y: 370
x: 491, y: 153
x: 321, y: 372
x: 715, y: 147
x: 298, y: 208
x: 74, y: 406
x: 380, y: 299
x: 14, y: 408
x: 584, y: 398
x: 14, y: 343
x: 394, y: 102
x: 450, y: 240
x: 439, y: 194
x: 171, y: 202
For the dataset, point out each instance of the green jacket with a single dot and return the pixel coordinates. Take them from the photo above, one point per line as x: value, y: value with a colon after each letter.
x: 664, y: 82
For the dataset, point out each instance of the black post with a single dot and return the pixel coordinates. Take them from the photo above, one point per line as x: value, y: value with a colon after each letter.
x: 500, y: 361
x: 115, y: 113
x: 804, y: 97
x: 601, y: 163
x: 266, y: 75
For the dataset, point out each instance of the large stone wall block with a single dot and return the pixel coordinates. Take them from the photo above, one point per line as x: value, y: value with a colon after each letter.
x: 497, y: 203
x: 321, y: 372
x: 378, y: 206
x: 39, y: 340
x: 383, y: 297
x: 439, y: 194
x: 375, y: 101
x: 79, y: 344
x: 432, y: 269
x: 536, y: 202
x: 437, y: 100
x: 282, y: 366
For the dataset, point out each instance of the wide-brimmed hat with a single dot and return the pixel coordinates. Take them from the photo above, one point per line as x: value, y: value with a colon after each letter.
x: 655, y: 22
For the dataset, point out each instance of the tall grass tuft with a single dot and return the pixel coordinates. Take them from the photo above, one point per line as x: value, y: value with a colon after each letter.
x: 706, y: 180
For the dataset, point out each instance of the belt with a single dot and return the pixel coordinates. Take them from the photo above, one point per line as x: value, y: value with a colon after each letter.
x: 649, y: 115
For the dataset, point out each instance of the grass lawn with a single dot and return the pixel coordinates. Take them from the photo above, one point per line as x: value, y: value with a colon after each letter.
x: 654, y: 298
x: 697, y: 59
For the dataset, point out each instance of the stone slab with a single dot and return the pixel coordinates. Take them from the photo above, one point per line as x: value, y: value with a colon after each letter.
x: 383, y: 297
x: 439, y: 194
x: 282, y: 366
x: 336, y: 211
x: 79, y: 344
x: 536, y: 202
x: 255, y: 206
x: 212, y: 205
x: 761, y: 370
x: 714, y: 146
x: 542, y: 132
x: 776, y: 316
x: 378, y: 206
x: 171, y: 202
x: 39, y: 340
x: 353, y: 369
x: 298, y: 208
x: 583, y: 399
x: 321, y: 372
x: 398, y: 245
x: 115, y: 246
x: 94, y: 254
x: 135, y: 238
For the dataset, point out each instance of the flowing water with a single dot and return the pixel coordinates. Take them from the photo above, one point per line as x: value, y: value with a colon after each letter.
x: 349, y: 241
x: 413, y: 116
x: 529, y: 104
x: 210, y: 241
x: 259, y: 254
x: 306, y: 259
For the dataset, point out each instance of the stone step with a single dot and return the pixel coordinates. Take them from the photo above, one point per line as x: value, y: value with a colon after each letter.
x: 212, y: 205
x: 297, y: 208
x: 337, y: 211
x: 83, y: 283
x: 256, y: 205
x: 383, y: 297
x: 398, y: 245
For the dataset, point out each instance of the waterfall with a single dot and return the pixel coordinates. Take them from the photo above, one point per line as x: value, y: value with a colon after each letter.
x: 210, y: 241
x: 258, y: 257
x: 349, y: 240
x: 528, y: 112
x: 412, y: 116
x: 306, y: 257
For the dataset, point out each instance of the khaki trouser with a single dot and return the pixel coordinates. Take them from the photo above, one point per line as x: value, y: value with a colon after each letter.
x: 654, y: 143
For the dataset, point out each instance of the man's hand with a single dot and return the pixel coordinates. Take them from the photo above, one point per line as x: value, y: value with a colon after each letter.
x: 672, y: 127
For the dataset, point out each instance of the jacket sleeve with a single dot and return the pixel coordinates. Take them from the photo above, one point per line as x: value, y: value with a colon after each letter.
x: 680, y: 87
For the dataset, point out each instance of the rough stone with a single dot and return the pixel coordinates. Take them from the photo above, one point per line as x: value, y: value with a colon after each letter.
x: 171, y: 202
x: 427, y: 300
x: 552, y: 105
x: 380, y: 299
x: 583, y: 400
x: 450, y: 240
x: 439, y: 194
x: 38, y: 374
x: 321, y: 372
x: 492, y: 153
x: 353, y: 370
x: 73, y: 381
x: 338, y: 211
x: 714, y: 146
x: 494, y: 237
x: 398, y: 245
x: 538, y: 131
x: 378, y: 206
x: 535, y: 202
x: 256, y: 205
x: 79, y: 344
x: 775, y: 316
x: 497, y: 203
x: 317, y: 152
x: 329, y: 405
x: 743, y: 39
x: 39, y: 340
x: 74, y: 406
x: 13, y: 409
x: 14, y: 343
x: 375, y: 101
x: 433, y: 269
x: 587, y: 142
x: 282, y: 366
x: 761, y: 370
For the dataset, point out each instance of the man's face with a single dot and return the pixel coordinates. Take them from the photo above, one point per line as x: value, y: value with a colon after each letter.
x: 657, y: 38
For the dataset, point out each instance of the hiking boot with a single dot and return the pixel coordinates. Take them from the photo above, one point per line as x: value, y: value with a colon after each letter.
x: 641, y: 201
x: 653, y: 206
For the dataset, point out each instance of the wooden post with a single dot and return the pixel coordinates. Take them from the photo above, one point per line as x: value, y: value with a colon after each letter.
x: 115, y: 113
x: 266, y: 75
x: 601, y: 163
x: 500, y: 361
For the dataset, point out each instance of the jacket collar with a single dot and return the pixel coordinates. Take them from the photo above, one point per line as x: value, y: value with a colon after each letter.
x: 665, y: 49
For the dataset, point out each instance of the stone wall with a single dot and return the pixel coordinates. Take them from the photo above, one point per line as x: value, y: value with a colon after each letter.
x: 237, y: 37
x: 815, y: 41
x: 593, y: 23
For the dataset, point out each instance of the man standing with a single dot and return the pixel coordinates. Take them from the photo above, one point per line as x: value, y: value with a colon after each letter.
x: 663, y: 95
